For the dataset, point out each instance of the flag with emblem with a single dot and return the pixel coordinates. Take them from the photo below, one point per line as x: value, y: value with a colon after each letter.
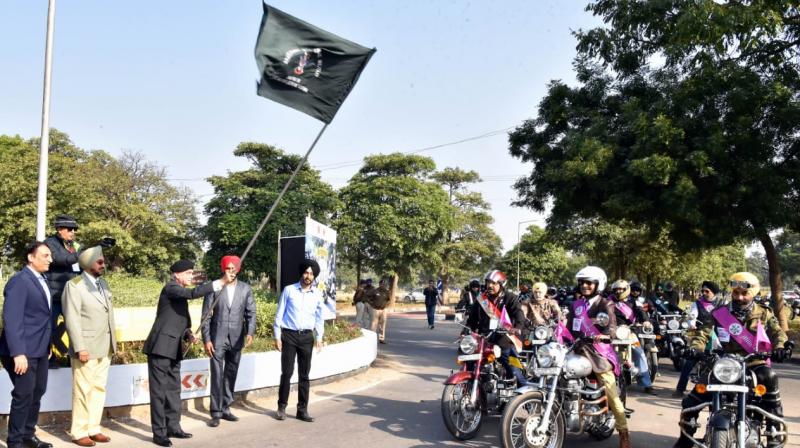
x: 305, y: 67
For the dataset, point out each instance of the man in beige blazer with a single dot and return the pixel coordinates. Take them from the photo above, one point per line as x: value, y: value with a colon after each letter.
x: 89, y: 316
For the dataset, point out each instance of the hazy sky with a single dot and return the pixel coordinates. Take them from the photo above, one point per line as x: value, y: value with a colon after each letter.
x: 176, y: 81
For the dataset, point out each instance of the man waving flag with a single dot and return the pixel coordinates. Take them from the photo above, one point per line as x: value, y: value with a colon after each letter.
x: 304, y: 67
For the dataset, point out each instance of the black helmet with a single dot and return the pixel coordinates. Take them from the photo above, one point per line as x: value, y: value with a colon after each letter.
x: 552, y: 291
x: 474, y: 283
x: 636, y: 286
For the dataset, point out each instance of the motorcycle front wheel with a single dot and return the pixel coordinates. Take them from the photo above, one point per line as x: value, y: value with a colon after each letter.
x: 722, y: 438
x: 461, y: 419
x: 521, y: 418
x: 677, y: 363
x: 653, y: 361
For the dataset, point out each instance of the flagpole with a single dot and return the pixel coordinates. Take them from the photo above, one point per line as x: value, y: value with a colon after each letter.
x: 214, y: 302
x: 44, y: 141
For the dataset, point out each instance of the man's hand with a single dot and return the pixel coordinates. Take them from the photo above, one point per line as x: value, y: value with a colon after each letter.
x: 20, y: 364
x: 278, y: 344
x: 691, y: 353
x: 248, y: 340
x: 778, y: 355
x: 209, y: 348
x: 83, y: 356
x: 318, y: 346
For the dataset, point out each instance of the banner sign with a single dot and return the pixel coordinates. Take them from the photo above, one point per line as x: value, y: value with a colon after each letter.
x: 321, y: 246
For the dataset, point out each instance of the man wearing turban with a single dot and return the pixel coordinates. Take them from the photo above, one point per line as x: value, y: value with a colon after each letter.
x: 89, y: 317
x: 230, y: 329
x: 298, y: 328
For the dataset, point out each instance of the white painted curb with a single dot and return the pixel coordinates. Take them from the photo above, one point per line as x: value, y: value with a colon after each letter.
x: 128, y: 384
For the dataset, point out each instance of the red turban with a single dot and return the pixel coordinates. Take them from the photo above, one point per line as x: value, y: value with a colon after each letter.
x: 227, y: 259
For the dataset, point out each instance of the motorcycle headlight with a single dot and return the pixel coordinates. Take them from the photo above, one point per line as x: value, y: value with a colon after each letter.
x: 727, y: 370
x: 685, y: 325
x: 547, y: 355
x: 541, y: 332
x: 673, y: 324
x: 602, y: 319
x: 647, y: 328
x: 468, y: 344
x: 623, y: 332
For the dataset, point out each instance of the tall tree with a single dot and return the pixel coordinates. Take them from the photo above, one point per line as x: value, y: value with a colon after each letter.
x: 241, y: 200
x: 471, y: 246
x: 396, y: 217
x: 703, y: 139
x: 541, y: 259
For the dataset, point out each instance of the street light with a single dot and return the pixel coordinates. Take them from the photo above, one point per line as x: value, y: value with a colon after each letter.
x: 518, y: 243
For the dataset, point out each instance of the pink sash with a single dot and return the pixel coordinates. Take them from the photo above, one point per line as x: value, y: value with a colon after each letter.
x: 730, y: 327
x: 708, y: 306
x: 580, y: 309
x: 626, y: 311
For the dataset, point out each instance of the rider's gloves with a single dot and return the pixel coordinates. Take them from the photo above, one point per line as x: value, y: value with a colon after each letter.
x: 691, y: 353
x: 778, y: 355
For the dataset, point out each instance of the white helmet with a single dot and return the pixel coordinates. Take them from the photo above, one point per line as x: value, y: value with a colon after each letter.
x: 594, y: 274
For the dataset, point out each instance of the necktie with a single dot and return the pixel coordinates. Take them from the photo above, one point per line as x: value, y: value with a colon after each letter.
x: 102, y: 293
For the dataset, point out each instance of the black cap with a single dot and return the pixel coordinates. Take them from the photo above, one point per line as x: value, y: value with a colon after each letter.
x: 711, y: 286
x: 305, y: 264
x: 181, y: 266
x: 66, y: 221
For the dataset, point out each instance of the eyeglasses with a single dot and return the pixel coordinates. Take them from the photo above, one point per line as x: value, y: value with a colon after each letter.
x: 585, y: 281
x: 101, y: 262
x: 740, y: 284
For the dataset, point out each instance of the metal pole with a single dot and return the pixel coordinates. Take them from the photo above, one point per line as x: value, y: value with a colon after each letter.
x: 278, y: 268
x: 44, y: 145
x: 519, y: 243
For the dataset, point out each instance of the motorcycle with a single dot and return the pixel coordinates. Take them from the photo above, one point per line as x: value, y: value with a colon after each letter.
x: 479, y: 388
x: 673, y: 337
x: 567, y: 399
x: 733, y: 421
x: 623, y: 341
x: 645, y: 332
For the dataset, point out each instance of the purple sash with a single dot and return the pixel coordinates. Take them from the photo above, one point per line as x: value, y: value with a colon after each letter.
x: 626, y: 311
x: 708, y: 306
x: 580, y: 309
x: 730, y: 327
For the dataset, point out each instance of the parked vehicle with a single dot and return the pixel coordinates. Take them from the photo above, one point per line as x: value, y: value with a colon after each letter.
x: 673, y: 337
x: 793, y: 299
x: 645, y: 332
x: 734, y: 420
x: 414, y: 297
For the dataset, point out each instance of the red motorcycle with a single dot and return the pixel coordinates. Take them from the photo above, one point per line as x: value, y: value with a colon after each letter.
x: 478, y: 389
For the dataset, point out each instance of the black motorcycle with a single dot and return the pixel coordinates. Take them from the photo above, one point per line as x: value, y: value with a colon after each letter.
x: 673, y: 337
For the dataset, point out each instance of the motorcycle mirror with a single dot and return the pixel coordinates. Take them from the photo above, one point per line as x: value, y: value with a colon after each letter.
x: 602, y: 319
x: 459, y: 317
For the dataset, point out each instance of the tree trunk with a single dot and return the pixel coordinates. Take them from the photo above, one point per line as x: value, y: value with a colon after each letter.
x: 358, y: 270
x: 393, y: 291
x: 775, y: 282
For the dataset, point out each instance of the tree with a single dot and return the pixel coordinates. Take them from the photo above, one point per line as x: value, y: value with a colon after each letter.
x: 471, y: 246
x: 540, y: 259
x: 393, y: 216
x: 702, y: 141
x: 788, y: 247
x: 127, y: 198
x: 241, y: 200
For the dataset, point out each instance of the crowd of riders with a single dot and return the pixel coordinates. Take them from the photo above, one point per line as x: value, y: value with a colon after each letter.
x: 716, y: 325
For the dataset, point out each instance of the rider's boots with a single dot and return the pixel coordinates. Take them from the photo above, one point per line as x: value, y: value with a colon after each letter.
x: 772, y: 404
x: 624, y: 439
x: 683, y: 441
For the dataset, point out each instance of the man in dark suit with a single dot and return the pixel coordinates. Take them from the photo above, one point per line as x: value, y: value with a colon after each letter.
x: 25, y: 345
x: 230, y: 329
x: 164, y: 352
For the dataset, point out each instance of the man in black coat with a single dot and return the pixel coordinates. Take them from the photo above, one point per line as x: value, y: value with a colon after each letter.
x: 65, y: 251
x: 164, y: 351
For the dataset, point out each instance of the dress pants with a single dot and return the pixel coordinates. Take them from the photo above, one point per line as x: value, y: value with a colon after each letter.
x: 224, y: 368
x: 165, y: 394
x: 25, y: 398
x: 609, y: 381
x: 299, y: 345
x: 88, y: 395
x: 362, y: 315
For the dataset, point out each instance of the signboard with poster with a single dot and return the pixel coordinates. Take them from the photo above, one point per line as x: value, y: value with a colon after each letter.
x: 321, y: 246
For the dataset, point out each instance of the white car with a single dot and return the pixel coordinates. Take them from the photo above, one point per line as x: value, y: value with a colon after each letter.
x: 414, y: 297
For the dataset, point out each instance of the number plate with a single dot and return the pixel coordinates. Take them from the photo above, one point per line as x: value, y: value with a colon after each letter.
x: 537, y: 341
x: 619, y: 342
x: 647, y: 336
x: 726, y: 388
x: 546, y: 371
x: 674, y: 331
x: 472, y: 357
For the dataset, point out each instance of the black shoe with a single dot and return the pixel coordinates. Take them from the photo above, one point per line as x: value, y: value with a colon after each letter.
x: 382, y: 341
x: 180, y: 434
x: 649, y: 390
x: 162, y: 441
x: 683, y: 442
x: 230, y: 417
x: 281, y: 414
x: 677, y: 394
x: 214, y: 422
x: 34, y: 442
x: 303, y: 415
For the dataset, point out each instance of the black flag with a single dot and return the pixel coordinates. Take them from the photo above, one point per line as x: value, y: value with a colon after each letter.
x: 304, y: 67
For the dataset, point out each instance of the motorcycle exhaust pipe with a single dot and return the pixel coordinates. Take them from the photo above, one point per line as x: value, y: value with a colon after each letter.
x: 602, y: 411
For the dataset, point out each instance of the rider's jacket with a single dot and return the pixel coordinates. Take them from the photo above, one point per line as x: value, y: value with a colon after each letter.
x: 597, y: 304
x: 540, y: 312
x: 478, y: 320
x: 638, y: 312
x: 759, y: 313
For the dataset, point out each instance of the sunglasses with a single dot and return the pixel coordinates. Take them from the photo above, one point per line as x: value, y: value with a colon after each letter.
x: 705, y: 291
x: 585, y: 281
x: 740, y: 284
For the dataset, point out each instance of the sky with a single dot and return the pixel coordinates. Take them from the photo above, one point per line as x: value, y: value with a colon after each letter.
x: 176, y: 81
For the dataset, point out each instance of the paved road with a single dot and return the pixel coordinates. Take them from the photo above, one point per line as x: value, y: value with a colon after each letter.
x: 396, y: 404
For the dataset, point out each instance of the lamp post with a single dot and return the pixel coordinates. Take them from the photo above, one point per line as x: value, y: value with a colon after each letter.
x: 519, y: 244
